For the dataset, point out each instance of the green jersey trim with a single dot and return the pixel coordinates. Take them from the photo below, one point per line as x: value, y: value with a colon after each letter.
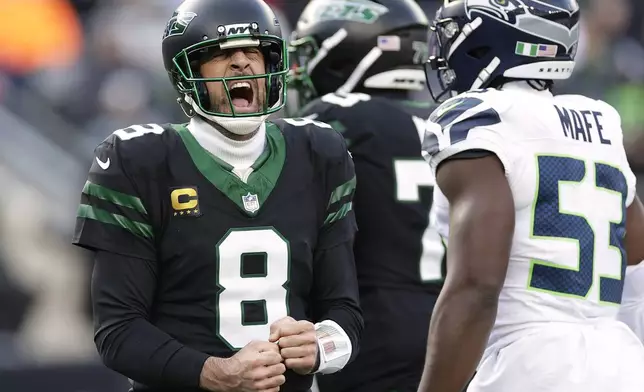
x: 97, y: 214
x: 339, y: 202
x: 342, y: 191
x: 114, y: 197
x: 339, y: 214
x: 261, y: 182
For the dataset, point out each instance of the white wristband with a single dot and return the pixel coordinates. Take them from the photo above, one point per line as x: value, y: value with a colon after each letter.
x: 334, y: 347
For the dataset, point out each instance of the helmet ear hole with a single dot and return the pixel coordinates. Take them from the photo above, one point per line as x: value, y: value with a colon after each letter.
x: 339, y: 67
x: 479, y: 53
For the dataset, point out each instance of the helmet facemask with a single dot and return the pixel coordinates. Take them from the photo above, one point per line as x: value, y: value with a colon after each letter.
x: 441, y: 79
x: 190, y: 82
x: 301, y: 52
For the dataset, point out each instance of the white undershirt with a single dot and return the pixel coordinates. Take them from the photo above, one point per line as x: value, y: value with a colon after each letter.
x: 238, y: 154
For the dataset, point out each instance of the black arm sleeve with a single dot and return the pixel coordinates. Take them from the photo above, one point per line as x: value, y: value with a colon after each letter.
x: 336, y: 295
x: 122, y: 293
x: 335, y: 285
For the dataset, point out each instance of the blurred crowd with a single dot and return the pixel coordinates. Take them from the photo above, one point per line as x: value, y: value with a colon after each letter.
x: 73, y: 71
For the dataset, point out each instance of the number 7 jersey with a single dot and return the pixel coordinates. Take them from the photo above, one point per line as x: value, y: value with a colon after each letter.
x: 564, y: 159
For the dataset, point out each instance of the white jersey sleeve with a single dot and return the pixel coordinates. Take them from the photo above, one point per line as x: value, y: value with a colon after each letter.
x: 615, y: 118
x: 470, y: 121
x: 631, y: 312
x: 439, y: 214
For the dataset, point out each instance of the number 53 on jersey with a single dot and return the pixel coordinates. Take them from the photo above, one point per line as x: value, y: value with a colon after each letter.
x: 579, y: 207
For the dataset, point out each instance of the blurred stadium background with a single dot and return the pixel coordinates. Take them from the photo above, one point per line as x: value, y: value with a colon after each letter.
x: 73, y: 71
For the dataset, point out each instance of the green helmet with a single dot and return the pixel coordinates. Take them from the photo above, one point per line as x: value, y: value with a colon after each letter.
x: 200, y: 29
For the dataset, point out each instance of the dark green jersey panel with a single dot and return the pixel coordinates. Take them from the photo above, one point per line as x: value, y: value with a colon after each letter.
x: 232, y: 256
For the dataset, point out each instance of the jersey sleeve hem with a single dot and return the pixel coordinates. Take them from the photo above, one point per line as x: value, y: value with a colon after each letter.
x: 631, y: 196
x: 467, y: 145
x: 89, y: 243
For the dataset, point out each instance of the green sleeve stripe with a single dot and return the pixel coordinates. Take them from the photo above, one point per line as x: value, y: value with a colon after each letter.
x: 337, y: 125
x: 97, y: 214
x: 114, y: 197
x: 343, y: 190
x: 339, y: 214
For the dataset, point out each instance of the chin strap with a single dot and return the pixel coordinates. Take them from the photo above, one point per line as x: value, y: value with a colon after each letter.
x: 186, y: 107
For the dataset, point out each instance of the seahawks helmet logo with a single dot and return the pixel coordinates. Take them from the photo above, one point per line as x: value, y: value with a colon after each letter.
x: 508, y: 9
x: 526, y: 16
x: 178, y: 23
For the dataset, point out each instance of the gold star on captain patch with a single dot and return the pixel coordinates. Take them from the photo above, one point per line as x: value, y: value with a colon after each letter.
x: 175, y: 214
x: 181, y: 213
x: 188, y: 212
x: 196, y: 211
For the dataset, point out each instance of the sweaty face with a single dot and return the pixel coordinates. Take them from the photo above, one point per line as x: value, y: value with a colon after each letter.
x: 248, y: 95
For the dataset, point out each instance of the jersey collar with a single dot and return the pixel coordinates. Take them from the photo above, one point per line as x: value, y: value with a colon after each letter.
x: 523, y: 86
x: 261, y: 182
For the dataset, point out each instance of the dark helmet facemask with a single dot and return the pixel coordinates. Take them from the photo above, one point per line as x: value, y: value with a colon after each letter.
x: 191, y: 83
x: 305, y: 54
x: 301, y: 88
x: 440, y: 78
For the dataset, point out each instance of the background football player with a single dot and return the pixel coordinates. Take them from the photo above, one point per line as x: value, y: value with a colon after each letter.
x: 358, y: 66
x: 541, y: 206
x: 218, y: 240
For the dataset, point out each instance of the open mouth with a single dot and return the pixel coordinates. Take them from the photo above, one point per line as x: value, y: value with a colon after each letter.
x: 241, y: 94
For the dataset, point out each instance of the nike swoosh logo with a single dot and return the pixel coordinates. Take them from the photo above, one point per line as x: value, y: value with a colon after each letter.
x: 103, y: 165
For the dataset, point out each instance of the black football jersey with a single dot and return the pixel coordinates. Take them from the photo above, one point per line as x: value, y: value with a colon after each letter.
x: 233, y: 256
x: 395, y: 247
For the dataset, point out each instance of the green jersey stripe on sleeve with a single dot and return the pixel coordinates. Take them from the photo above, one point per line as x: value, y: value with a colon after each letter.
x: 100, y: 215
x: 339, y: 214
x: 114, y: 197
x: 342, y: 191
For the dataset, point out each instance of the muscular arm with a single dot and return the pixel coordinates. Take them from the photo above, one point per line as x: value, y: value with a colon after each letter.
x: 123, y: 289
x: 480, y: 237
x: 635, y: 232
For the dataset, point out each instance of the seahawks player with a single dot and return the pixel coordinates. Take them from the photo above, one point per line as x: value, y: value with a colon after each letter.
x: 220, y: 242
x: 542, y: 211
x: 358, y: 65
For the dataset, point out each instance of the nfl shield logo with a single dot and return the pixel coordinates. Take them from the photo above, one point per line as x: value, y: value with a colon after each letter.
x: 251, y: 203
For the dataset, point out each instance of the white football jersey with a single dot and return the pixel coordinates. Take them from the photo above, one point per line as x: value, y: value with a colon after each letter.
x: 566, y: 166
x: 632, y: 310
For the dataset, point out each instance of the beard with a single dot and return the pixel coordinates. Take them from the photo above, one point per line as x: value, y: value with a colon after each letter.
x: 253, y: 102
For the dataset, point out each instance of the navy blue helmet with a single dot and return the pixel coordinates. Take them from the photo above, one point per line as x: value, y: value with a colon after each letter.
x: 476, y: 44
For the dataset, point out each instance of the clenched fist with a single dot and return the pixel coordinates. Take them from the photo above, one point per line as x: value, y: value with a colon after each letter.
x: 297, y: 342
x: 257, y: 367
